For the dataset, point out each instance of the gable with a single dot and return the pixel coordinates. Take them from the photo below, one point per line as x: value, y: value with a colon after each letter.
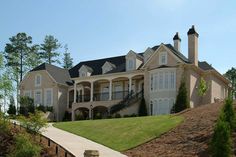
x: 154, y: 60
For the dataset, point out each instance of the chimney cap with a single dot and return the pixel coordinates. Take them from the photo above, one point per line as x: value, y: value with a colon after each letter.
x: 176, y: 37
x: 192, y: 31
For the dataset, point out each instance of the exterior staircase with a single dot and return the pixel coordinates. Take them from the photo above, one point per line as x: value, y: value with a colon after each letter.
x: 130, y: 99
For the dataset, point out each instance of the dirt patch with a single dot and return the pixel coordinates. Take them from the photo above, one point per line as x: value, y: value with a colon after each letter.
x: 190, y: 138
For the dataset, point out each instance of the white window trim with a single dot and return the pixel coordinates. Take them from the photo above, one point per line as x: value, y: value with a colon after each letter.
x: 41, y: 95
x: 28, y: 91
x: 35, y: 80
x: 45, y: 96
x: 157, y: 72
x: 160, y: 58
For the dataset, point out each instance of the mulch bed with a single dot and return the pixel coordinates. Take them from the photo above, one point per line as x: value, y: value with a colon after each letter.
x: 190, y: 138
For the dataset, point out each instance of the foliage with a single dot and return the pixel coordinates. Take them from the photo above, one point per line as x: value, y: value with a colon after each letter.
x: 202, y: 88
x: 34, y: 122
x: 67, y: 116
x: 126, y: 132
x: 49, y: 49
x: 220, y: 145
x: 182, y: 99
x: 4, y: 124
x: 34, y: 57
x: 26, y: 105
x: 12, y: 107
x: 17, y: 53
x: 79, y: 116
x: 142, y: 108
x: 117, y: 115
x: 67, y: 60
x: 228, y: 113
x: 25, y: 147
x: 231, y: 75
x: 98, y: 115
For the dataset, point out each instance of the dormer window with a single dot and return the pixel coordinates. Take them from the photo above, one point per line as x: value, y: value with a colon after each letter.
x: 163, y: 58
x: 107, y: 66
x: 131, y: 64
x: 85, y: 71
x: 133, y: 60
x: 38, y: 80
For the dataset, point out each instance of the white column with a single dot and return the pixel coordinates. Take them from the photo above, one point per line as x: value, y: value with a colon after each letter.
x: 91, y: 92
x: 75, y: 92
x: 110, y: 90
x: 83, y: 94
x: 130, y: 85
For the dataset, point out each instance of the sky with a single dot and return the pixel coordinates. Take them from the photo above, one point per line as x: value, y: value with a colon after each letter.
x: 96, y: 29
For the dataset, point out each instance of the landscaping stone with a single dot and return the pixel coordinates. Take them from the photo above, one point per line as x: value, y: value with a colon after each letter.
x: 91, y: 153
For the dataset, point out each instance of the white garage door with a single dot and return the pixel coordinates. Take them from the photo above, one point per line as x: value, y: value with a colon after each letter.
x: 162, y: 106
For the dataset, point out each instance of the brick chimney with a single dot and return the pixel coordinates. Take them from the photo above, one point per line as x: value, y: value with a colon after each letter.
x: 177, y: 41
x: 193, y: 45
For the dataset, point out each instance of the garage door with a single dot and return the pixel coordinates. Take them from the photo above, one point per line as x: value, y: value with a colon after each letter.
x: 162, y: 106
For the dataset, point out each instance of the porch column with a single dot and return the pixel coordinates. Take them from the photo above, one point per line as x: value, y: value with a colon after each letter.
x: 110, y: 90
x: 130, y: 85
x: 72, y: 115
x: 82, y: 94
x: 91, y: 91
x: 75, y: 92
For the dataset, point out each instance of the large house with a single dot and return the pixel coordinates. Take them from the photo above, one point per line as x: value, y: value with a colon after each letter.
x: 117, y: 84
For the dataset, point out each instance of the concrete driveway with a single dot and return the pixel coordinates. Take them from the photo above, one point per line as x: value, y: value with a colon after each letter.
x: 77, y: 144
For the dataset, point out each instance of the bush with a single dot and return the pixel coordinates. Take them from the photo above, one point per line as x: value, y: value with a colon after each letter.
x: 229, y: 115
x: 34, y: 122
x: 79, y: 116
x: 67, y: 116
x: 182, y: 99
x: 41, y: 108
x: 98, y: 115
x: 4, y: 124
x: 12, y: 108
x: 117, y: 115
x: 25, y: 147
x: 142, y: 108
x: 26, y: 106
x: 220, y: 145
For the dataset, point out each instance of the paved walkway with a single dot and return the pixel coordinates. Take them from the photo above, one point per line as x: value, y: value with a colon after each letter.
x: 77, y: 144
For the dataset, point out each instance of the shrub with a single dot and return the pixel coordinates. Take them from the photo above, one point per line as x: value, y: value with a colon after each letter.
x: 12, y: 108
x: 98, y: 115
x: 41, y: 108
x: 220, y: 145
x: 229, y: 115
x: 142, y: 108
x: 25, y: 147
x: 34, y: 122
x: 4, y: 124
x: 26, y: 106
x: 79, y: 116
x: 117, y: 115
x: 67, y: 116
x: 182, y: 99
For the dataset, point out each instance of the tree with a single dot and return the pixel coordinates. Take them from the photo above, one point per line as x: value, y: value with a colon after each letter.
x: 17, y: 52
x: 142, y: 108
x: 67, y: 60
x: 49, y: 49
x: 182, y: 99
x: 34, y: 57
x: 5, y: 87
x: 27, y: 105
x: 231, y: 75
x: 12, y: 107
x: 202, y: 88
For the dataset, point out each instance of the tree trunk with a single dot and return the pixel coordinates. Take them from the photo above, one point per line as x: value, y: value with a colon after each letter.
x: 21, y: 65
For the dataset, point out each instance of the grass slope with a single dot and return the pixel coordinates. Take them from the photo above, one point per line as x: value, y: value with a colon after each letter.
x: 123, y: 133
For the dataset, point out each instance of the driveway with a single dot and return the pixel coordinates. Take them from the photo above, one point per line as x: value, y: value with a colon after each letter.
x: 77, y: 144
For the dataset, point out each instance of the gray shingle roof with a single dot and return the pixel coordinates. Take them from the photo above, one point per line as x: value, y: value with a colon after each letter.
x: 60, y: 75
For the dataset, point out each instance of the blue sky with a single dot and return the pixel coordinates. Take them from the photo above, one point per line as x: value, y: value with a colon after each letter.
x: 101, y: 28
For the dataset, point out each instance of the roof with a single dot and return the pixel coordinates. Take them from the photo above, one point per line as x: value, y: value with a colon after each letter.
x: 60, y: 75
x: 120, y: 63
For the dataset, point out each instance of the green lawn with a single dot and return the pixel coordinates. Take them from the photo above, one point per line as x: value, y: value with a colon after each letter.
x: 122, y: 133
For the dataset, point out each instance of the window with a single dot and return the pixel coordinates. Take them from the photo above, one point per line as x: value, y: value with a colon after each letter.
x: 131, y: 64
x: 38, y: 80
x: 38, y: 97
x: 166, y: 80
x: 151, y: 108
x: 27, y: 93
x: 82, y: 74
x: 172, y: 80
x: 161, y: 80
x: 163, y: 58
x: 151, y: 82
x: 48, y: 97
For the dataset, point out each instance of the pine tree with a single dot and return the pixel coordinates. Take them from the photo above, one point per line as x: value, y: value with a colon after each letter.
x: 182, y: 99
x: 142, y: 108
x: 67, y: 60
x: 49, y: 49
